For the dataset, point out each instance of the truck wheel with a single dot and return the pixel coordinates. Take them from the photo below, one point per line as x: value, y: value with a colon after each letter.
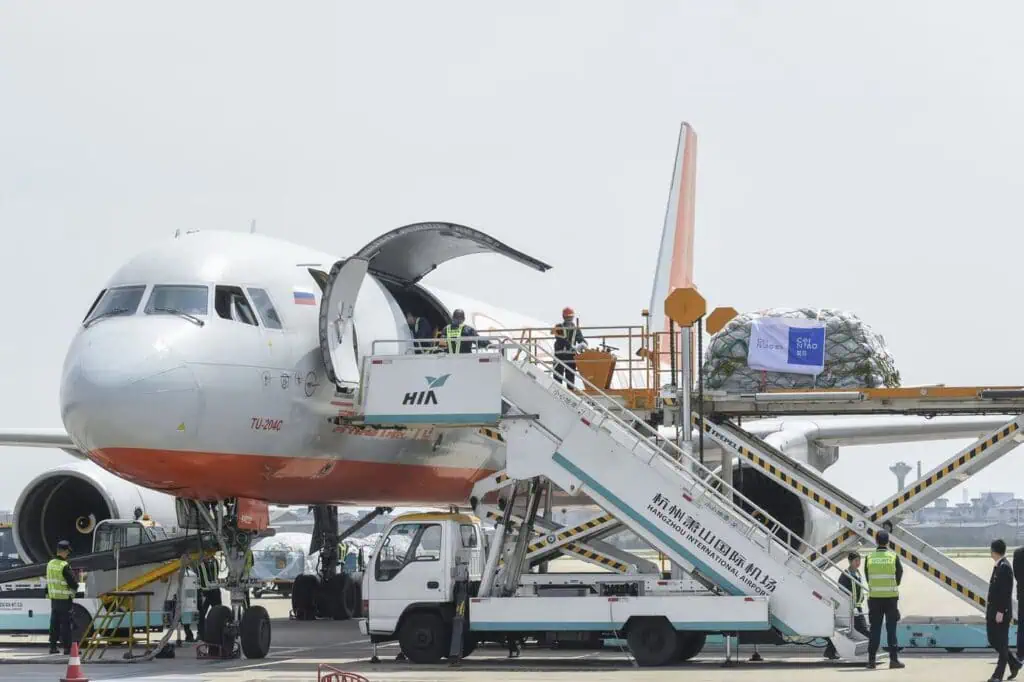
x: 690, y: 644
x: 216, y: 623
x: 424, y: 638
x: 303, y: 593
x: 652, y: 641
x: 255, y: 632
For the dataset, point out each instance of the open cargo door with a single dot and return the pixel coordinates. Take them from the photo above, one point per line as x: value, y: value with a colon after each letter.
x: 336, y: 308
x: 407, y: 254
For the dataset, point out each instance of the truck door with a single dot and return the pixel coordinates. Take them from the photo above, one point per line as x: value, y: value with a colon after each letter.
x: 336, y: 309
x: 407, y: 569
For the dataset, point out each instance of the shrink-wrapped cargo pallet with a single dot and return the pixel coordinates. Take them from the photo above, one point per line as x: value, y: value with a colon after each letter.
x: 855, y: 355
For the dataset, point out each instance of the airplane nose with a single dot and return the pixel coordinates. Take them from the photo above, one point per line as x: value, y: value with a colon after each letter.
x: 125, y: 385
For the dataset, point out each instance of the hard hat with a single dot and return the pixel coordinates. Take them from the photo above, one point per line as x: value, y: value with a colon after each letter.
x: 568, y: 312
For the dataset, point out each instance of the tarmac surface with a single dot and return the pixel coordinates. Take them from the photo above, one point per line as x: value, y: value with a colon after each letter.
x: 298, y: 648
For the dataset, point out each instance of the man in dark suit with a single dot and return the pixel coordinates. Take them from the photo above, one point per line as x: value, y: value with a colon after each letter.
x: 1018, y: 575
x: 999, y: 611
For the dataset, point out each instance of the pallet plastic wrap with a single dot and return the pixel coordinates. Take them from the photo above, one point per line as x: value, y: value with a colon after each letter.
x: 855, y: 355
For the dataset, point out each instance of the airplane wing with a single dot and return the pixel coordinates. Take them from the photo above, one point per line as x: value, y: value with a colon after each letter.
x: 40, y: 438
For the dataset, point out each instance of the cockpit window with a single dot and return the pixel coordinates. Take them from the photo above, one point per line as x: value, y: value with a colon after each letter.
x: 265, y: 308
x: 117, y: 301
x: 231, y: 304
x: 170, y: 299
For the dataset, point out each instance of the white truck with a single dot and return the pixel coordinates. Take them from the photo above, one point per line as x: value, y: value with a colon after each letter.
x: 410, y: 594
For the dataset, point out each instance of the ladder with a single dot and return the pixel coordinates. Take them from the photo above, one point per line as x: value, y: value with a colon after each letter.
x: 863, y: 523
x: 655, y: 489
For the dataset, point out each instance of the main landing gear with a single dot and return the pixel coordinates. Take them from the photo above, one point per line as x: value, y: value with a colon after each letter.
x: 236, y: 629
x: 333, y: 592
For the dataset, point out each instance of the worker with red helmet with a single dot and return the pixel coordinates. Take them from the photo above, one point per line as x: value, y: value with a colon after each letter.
x: 568, y: 342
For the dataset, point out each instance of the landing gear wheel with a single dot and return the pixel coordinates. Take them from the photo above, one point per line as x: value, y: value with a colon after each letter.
x: 424, y: 638
x: 690, y: 644
x: 358, y: 589
x: 304, y: 591
x: 350, y: 598
x: 255, y: 632
x: 217, y: 621
x: 331, y: 601
x: 652, y: 641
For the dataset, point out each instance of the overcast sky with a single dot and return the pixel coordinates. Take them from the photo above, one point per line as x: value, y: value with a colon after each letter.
x: 860, y: 156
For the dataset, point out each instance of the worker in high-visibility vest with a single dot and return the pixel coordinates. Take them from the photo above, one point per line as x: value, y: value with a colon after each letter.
x: 61, y: 588
x: 246, y: 572
x: 884, y: 572
x: 208, y: 592
x: 342, y: 553
x: 851, y: 581
x: 452, y: 335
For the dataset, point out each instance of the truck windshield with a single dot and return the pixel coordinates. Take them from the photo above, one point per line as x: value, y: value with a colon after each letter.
x: 407, y: 543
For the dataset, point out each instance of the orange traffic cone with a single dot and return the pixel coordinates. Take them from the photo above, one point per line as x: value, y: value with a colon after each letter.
x: 74, y: 673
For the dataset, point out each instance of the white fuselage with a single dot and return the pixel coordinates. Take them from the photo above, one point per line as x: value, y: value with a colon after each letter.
x: 232, y: 409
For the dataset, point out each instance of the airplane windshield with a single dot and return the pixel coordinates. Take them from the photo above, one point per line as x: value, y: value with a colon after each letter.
x: 117, y: 301
x: 175, y: 298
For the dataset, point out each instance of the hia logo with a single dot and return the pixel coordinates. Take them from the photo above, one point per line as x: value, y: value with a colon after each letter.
x: 427, y: 397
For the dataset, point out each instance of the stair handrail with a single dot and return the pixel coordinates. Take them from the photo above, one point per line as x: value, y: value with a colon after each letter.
x: 503, y: 342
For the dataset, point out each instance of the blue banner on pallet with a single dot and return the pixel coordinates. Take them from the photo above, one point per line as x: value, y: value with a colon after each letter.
x: 796, y: 346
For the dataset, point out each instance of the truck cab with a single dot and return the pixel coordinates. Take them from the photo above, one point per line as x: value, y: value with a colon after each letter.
x: 410, y: 575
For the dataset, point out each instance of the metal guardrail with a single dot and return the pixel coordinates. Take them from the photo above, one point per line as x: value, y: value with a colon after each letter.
x: 767, y: 530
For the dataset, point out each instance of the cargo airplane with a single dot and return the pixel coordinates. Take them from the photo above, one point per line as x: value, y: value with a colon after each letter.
x: 200, y: 372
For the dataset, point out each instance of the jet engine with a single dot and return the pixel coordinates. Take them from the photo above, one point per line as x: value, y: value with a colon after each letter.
x: 67, y: 502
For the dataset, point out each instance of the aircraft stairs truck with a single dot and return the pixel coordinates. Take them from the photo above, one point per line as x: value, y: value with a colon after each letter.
x: 426, y: 589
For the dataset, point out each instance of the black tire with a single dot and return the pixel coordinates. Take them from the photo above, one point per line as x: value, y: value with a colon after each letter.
x: 359, y: 600
x: 255, y: 632
x: 331, y: 598
x: 80, y: 620
x: 303, y: 595
x: 690, y: 644
x: 217, y: 621
x: 350, y: 598
x: 652, y: 641
x: 424, y: 638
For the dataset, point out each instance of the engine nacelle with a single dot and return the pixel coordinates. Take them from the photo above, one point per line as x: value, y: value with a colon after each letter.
x: 66, y: 503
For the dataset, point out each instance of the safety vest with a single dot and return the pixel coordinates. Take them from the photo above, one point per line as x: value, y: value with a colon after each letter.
x: 56, y: 586
x: 453, y: 335
x: 882, y: 574
x: 208, y: 572
x: 248, y: 563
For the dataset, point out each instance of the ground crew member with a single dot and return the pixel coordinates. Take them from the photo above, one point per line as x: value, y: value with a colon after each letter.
x: 884, y: 573
x: 999, y: 611
x: 850, y: 580
x: 420, y: 328
x: 246, y: 572
x: 452, y: 334
x: 61, y: 588
x: 209, y: 595
x: 342, y: 555
x: 568, y: 342
x: 1018, y: 574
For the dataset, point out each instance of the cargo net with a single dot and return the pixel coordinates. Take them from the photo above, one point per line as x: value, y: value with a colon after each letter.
x: 855, y: 356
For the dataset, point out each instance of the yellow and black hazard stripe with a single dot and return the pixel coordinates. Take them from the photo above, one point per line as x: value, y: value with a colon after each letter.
x: 945, y: 471
x: 669, y: 401
x: 493, y: 434
x: 849, y: 518
x: 602, y: 559
x: 771, y: 469
x: 552, y: 538
x: 915, y: 490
